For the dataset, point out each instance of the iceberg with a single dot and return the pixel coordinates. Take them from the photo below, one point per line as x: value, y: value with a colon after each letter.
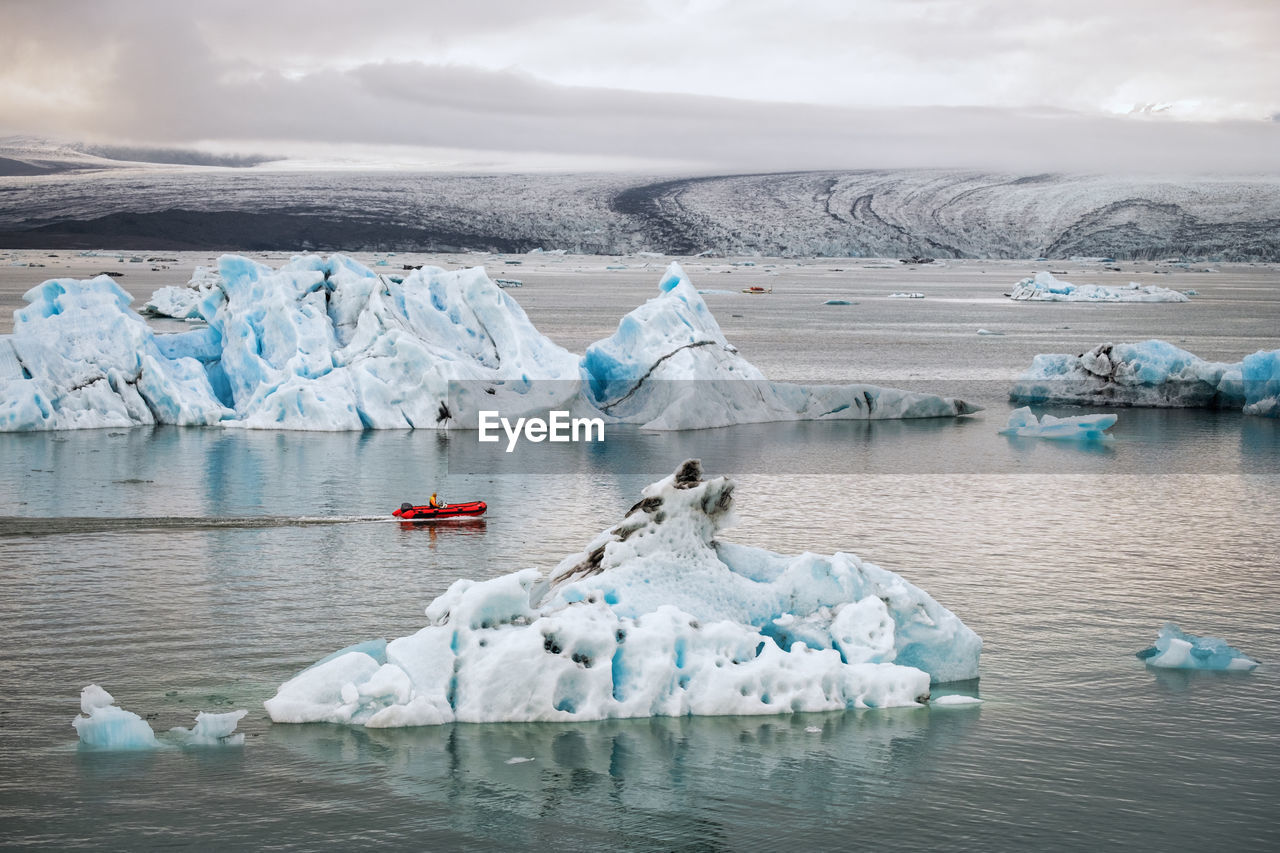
x: 1175, y: 649
x: 80, y: 358
x: 103, y: 725
x: 183, y: 303
x: 1152, y: 373
x: 328, y: 344
x: 1044, y: 287
x: 212, y: 730
x: 669, y: 366
x: 655, y: 617
x: 1023, y: 423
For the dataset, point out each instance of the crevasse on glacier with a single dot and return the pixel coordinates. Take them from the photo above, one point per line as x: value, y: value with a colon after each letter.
x: 656, y: 617
x: 328, y: 344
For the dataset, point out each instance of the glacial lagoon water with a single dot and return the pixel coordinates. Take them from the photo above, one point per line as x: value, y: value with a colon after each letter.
x: 197, y: 569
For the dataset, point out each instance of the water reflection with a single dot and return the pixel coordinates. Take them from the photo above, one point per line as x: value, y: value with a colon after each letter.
x: 1187, y: 680
x: 724, y: 775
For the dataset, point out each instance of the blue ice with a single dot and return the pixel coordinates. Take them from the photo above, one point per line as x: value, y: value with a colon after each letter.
x: 1175, y: 649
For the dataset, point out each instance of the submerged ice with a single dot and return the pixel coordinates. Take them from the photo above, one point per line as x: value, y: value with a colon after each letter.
x: 103, y: 725
x: 1044, y: 287
x: 1152, y: 373
x: 1023, y: 423
x: 655, y: 617
x: 328, y: 344
x: 1175, y: 649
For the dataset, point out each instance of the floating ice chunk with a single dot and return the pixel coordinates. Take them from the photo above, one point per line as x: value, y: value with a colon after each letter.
x: 105, y: 726
x: 832, y: 301
x: 328, y: 344
x: 184, y: 303
x: 1045, y: 288
x: 1152, y: 373
x: 519, y: 760
x: 1177, y: 650
x: 956, y: 699
x: 989, y: 332
x: 109, y: 727
x: 668, y: 366
x: 1023, y: 423
x: 1260, y: 375
x: 79, y: 358
x: 904, y: 294
x: 212, y: 730
x: 654, y: 618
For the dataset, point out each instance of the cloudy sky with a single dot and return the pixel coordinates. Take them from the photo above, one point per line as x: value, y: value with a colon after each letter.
x: 688, y: 85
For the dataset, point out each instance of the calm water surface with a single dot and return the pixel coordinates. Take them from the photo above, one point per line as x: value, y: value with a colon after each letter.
x: 189, y: 569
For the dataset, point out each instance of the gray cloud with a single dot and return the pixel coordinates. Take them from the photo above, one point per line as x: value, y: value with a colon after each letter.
x: 408, y: 75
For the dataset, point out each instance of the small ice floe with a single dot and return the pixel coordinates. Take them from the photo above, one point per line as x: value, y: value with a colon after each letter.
x: 212, y: 730
x: 518, y: 760
x: 837, y: 302
x: 813, y: 730
x: 956, y: 699
x: 989, y: 332
x: 109, y: 727
x: 1023, y: 423
x: 902, y: 294
x: 1175, y: 649
x: 105, y: 726
x: 1044, y: 287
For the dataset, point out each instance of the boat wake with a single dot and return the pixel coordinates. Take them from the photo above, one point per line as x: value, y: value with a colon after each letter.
x: 15, y: 526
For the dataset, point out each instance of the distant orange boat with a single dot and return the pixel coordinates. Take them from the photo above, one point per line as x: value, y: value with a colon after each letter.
x: 755, y: 289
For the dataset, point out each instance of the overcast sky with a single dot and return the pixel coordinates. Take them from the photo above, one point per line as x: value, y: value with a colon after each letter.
x: 670, y: 85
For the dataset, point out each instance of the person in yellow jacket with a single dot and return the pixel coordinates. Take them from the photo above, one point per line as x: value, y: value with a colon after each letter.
x: 435, y: 503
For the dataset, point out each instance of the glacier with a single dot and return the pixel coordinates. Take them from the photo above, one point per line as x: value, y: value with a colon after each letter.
x: 104, y: 725
x: 1044, y: 287
x: 1152, y: 373
x: 1175, y: 649
x: 655, y: 617
x: 1024, y: 424
x: 328, y: 344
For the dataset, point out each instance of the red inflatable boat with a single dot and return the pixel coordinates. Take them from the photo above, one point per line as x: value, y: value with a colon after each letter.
x: 409, y: 512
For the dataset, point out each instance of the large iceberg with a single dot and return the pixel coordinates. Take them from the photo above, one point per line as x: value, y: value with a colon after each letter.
x: 1175, y: 649
x: 669, y: 366
x: 1024, y: 424
x: 103, y: 725
x: 328, y: 344
x: 656, y: 617
x: 320, y: 344
x: 1152, y: 373
x: 1043, y: 287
